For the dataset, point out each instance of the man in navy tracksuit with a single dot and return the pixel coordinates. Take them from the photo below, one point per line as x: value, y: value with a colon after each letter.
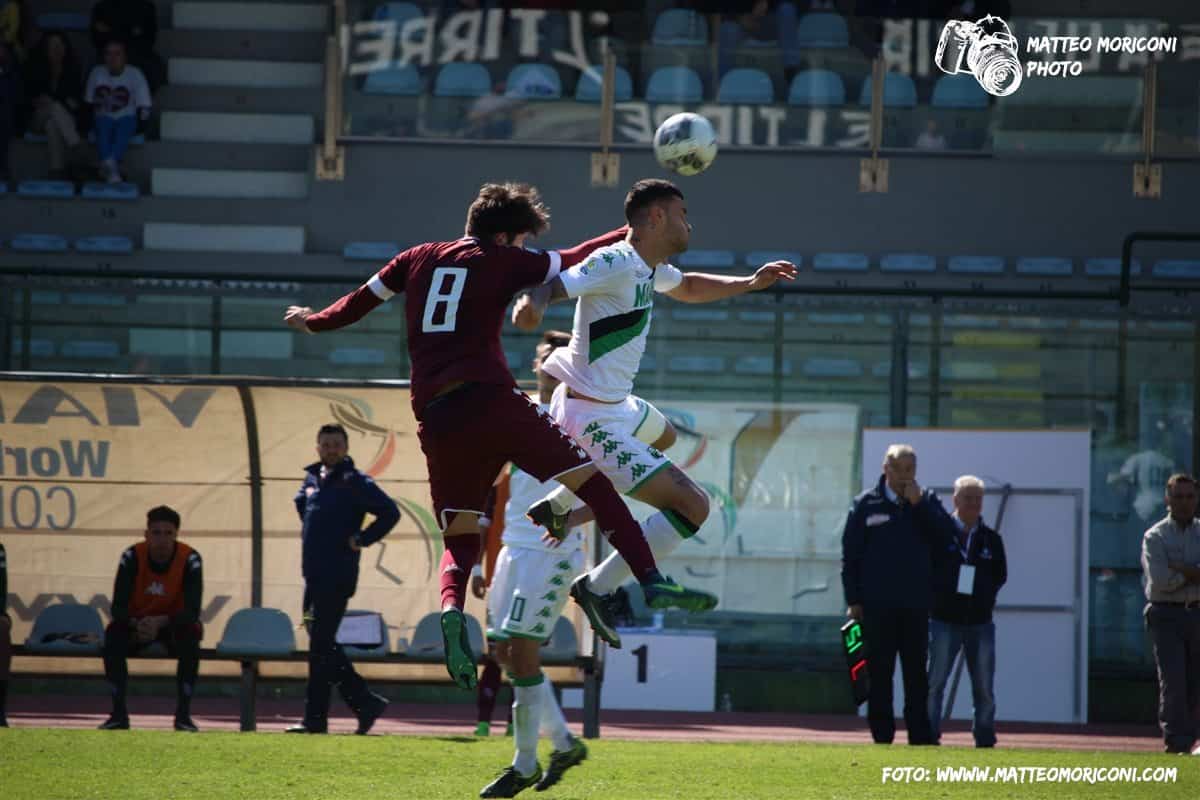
x: 332, y: 503
x: 887, y: 574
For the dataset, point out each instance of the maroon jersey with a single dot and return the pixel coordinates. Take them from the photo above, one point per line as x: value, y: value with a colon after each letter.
x: 455, y: 298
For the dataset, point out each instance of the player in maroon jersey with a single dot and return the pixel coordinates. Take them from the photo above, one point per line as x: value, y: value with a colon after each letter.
x: 472, y: 418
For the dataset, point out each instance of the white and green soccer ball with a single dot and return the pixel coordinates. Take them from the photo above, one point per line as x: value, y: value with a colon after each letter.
x: 685, y: 143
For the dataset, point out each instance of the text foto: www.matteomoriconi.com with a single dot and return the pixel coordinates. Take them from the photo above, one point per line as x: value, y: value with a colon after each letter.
x: 1029, y: 775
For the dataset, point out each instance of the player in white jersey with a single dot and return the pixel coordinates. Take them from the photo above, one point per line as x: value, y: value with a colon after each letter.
x: 615, y: 288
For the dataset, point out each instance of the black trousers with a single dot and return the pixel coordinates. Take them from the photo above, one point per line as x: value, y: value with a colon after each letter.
x: 328, y: 665
x: 890, y: 632
x: 1175, y: 632
x: 182, y: 642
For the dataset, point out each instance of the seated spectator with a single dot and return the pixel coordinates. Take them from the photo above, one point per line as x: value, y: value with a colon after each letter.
x: 54, y: 93
x: 119, y: 96
x: 5, y: 639
x: 134, y: 22
x: 12, y: 25
x: 10, y: 99
x: 761, y: 21
x: 156, y: 598
x: 931, y: 138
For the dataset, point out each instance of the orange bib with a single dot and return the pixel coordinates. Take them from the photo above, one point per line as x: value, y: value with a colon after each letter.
x: 155, y: 593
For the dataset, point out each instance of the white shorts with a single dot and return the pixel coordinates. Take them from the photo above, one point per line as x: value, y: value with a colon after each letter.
x: 613, y: 435
x: 529, y: 591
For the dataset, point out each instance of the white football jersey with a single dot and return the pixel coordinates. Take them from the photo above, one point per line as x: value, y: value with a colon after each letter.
x: 615, y: 291
x: 525, y: 490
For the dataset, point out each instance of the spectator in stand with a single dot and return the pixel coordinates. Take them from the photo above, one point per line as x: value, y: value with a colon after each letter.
x: 10, y: 99
x: 119, y: 96
x: 13, y: 20
x: 54, y: 92
x: 762, y: 21
x: 134, y: 22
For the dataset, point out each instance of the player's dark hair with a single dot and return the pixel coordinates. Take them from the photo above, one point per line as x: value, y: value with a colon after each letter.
x: 162, y: 514
x: 332, y: 427
x: 1179, y: 477
x: 646, y: 193
x: 507, y: 208
x: 551, y: 341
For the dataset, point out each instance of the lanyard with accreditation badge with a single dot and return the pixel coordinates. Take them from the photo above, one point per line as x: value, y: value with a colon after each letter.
x: 966, y: 572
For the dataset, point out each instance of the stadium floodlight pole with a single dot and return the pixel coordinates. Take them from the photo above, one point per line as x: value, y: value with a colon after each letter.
x: 1147, y: 177
x: 606, y: 165
x: 873, y: 171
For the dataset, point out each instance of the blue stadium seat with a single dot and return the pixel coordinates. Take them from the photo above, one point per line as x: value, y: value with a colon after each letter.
x: 700, y: 314
x: 370, y: 251
x: 1177, y: 268
x: 824, y: 30
x: 427, y: 636
x: 403, y: 81
x: 760, y: 365
x: 837, y: 319
x: 257, y: 632
x: 899, y: 91
x: 358, y: 356
x: 757, y: 317
x: 817, y: 87
x: 1109, y: 267
x: 832, y: 368
x: 976, y: 265
x: 118, y: 245
x: 46, y: 189
x: 39, y: 243
x: 841, y: 262
x: 720, y: 259
x: 1054, y: 267
x: 38, y: 348
x: 533, y: 82
x: 110, y: 191
x: 588, y: 88
x: 908, y: 262
x: 674, y: 85
x: 460, y: 79
x: 680, y: 26
x: 66, y: 627
x: 696, y: 364
x: 62, y: 21
x: 35, y: 138
x: 563, y: 642
x: 958, y: 91
x: 399, y: 13
x: 746, y: 85
x: 95, y: 299
x: 91, y: 348
x: 756, y: 258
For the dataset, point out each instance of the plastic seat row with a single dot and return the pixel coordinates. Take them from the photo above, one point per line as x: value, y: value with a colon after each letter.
x: 65, y: 190
x: 54, y: 243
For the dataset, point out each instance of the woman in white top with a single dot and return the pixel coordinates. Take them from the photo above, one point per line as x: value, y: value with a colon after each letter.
x: 119, y: 96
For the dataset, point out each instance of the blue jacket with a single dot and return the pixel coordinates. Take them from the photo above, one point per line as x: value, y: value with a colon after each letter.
x: 332, y: 511
x: 986, y: 554
x: 887, y: 550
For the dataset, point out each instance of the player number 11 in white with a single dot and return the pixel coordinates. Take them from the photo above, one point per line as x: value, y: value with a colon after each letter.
x: 441, y: 295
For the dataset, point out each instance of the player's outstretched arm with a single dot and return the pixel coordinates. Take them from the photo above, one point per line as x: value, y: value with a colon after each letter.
x: 531, y: 307
x: 700, y: 288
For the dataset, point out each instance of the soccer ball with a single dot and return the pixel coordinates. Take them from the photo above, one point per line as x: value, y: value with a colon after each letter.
x: 685, y: 143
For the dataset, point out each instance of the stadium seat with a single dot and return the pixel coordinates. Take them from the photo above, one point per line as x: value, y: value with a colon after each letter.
x: 35, y: 138
x: 757, y: 317
x: 399, y: 13
x: 380, y: 650
x: 823, y: 30
x: 746, y: 85
x: 700, y: 314
x: 257, y: 632
x: 976, y: 265
x: 713, y: 259
x: 841, y: 262
x: 696, y: 364
x: 1177, y: 268
x: 674, y: 85
x: 110, y: 191
x: 817, y: 87
x: 39, y: 243
x: 756, y: 258
x: 1052, y: 267
x: 958, y: 91
x: 38, y: 348
x: 590, y: 82
x: 137, y: 139
x: 360, y: 356
x: 760, y: 365
x: 115, y: 245
x: 837, y: 319
x: 46, y: 189
x: 95, y: 299
x: 1109, y: 267
x: 533, y: 82
x: 66, y: 628
x: 680, y: 26
x: 832, y: 368
x: 370, y: 251
x: 460, y: 79
x: 403, y: 81
x: 427, y: 636
x: 564, y: 643
x: 62, y: 21
x: 90, y: 348
x: 899, y: 91
x: 908, y: 262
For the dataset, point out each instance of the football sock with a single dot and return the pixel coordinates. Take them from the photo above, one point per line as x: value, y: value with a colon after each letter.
x: 610, y: 573
x: 554, y: 724
x: 461, y: 553
x: 527, y: 715
x: 489, y: 687
x: 615, y: 522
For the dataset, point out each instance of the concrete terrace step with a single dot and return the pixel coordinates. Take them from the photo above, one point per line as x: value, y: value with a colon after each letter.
x: 191, y: 237
x: 202, y: 155
x: 305, y: 46
x: 244, y: 74
x: 174, y: 182
x: 184, y: 126
x: 250, y: 16
x: 284, y: 265
x: 227, y: 99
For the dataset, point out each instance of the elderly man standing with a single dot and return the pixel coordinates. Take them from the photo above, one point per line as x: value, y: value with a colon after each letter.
x: 1171, y: 563
x: 888, y: 543
x: 969, y: 572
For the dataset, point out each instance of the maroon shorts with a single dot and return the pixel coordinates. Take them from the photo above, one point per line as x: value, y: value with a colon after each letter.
x: 469, y: 435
